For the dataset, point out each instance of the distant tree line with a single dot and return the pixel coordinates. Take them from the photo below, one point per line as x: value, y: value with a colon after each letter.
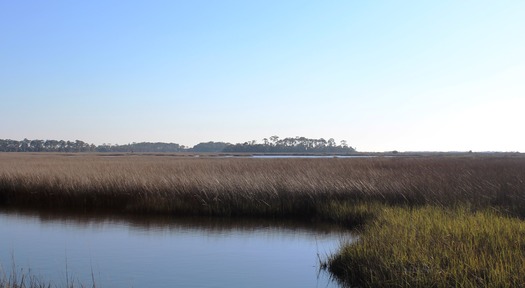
x: 292, y: 145
x: 272, y: 145
x: 142, y: 147
x: 26, y: 145
x: 7, y: 145
x: 210, y: 147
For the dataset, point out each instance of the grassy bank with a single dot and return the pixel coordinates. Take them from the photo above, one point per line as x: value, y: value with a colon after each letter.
x: 435, y: 247
x: 414, y: 212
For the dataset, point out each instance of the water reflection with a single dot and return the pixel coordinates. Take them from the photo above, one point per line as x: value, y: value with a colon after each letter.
x: 309, y: 156
x: 138, y: 251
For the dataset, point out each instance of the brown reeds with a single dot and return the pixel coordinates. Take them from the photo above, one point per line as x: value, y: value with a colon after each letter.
x: 256, y: 187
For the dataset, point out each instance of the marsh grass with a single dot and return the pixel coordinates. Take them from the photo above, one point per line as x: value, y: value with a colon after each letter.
x: 429, y: 221
x: 434, y: 247
x: 257, y: 187
x: 20, y: 278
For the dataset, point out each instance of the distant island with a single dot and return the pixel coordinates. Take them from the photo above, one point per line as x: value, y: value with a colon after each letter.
x: 273, y: 144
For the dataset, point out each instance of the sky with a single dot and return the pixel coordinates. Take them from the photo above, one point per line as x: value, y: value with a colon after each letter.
x: 383, y: 75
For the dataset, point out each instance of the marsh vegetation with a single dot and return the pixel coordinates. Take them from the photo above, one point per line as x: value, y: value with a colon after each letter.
x: 428, y: 221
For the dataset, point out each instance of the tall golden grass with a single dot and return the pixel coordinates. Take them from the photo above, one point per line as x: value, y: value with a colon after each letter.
x: 256, y: 187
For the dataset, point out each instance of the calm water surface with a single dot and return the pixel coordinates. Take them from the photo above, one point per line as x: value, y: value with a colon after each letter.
x: 167, y: 252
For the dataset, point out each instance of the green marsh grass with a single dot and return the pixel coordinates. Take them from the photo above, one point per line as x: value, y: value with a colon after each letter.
x: 434, y: 247
x: 408, y: 208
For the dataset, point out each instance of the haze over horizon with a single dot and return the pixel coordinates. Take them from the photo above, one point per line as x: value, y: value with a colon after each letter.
x: 406, y: 76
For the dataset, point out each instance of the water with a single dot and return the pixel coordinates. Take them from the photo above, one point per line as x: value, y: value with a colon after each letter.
x: 308, y: 156
x: 166, y: 252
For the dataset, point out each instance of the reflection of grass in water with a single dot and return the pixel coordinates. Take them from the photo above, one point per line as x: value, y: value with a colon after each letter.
x: 212, y: 225
x: 389, y: 195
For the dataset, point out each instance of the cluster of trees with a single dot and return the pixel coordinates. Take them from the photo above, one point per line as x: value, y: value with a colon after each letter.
x: 292, y: 145
x: 272, y: 145
x: 210, y: 147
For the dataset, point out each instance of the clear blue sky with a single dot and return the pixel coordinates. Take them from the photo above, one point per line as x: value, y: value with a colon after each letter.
x: 383, y: 75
